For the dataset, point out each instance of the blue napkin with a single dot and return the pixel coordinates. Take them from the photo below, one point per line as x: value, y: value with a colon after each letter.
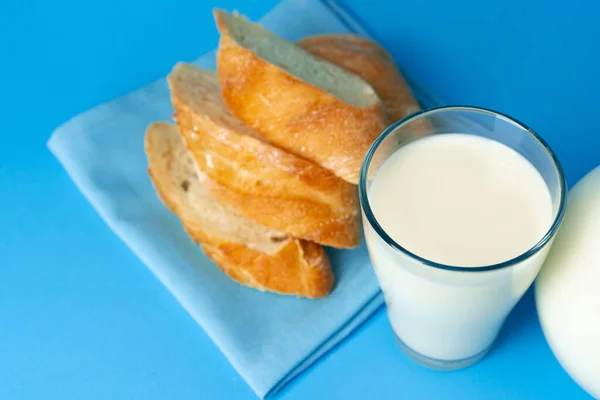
x: 268, y: 338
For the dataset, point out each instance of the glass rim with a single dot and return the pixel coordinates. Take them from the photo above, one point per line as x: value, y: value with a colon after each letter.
x: 366, y: 207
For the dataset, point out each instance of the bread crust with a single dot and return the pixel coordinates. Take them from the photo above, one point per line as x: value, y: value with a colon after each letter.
x: 260, y: 181
x: 297, y: 267
x: 293, y: 114
x: 371, y: 61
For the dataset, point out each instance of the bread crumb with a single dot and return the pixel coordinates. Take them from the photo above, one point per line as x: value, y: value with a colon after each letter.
x: 185, y: 185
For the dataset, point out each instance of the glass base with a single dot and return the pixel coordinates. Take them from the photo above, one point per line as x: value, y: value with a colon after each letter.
x: 441, y: 365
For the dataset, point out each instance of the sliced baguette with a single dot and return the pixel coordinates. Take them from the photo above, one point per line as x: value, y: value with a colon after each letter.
x: 369, y: 60
x: 260, y: 181
x: 247, y: 252
x: 299, y: 102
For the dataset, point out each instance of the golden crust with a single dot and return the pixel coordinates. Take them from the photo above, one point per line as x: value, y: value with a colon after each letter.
x: 293, y: 114
x: 301, y: 268
x: 298, y: 267
x: 260, y: 181
x: 297, y: 215
x: 368, y: 59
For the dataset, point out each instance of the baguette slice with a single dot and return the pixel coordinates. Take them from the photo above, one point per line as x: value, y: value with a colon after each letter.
x: 247, y: 252
x: 303, y: 104
x: 372, y: 62
x: 258, y: 180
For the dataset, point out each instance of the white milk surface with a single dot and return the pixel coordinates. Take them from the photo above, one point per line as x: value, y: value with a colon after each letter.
x: 459, y: 200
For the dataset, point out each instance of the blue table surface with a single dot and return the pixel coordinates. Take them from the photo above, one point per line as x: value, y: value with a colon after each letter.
x: 82, y: 318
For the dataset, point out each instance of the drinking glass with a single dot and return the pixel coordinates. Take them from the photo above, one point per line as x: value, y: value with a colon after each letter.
x: 447, y: 317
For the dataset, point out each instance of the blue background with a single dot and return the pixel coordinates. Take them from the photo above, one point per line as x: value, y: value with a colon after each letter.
x: 82, y: 318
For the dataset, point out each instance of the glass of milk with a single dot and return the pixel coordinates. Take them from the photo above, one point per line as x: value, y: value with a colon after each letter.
x: 460, y: 207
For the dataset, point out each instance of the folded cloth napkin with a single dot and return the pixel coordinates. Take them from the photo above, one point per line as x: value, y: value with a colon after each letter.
x: 268, y: 338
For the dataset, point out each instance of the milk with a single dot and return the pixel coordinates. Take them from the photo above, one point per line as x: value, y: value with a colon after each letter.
x: 459, y: 200
x: 567, y: 291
